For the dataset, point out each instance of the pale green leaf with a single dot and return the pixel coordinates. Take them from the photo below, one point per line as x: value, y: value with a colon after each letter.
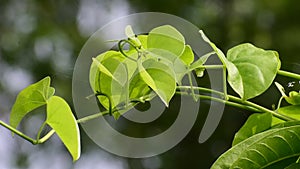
x: 131, y: 36
x: 280, y: 88
x: 180, y: 70
x: 146, y: 77
x: 166, y: 38
x: 214, y: 47
x: 187, y: 56
x: 200, y: 62
x: 138, y: 89
x: 115, y: 87
x: 94, y: 69
x: 274, y: 148
x: 251, y: 70
x: 198, y: 65
x: 256, y: 123
x: 103, y: 69
x: 62, y: 120
x: 29, y: 99
x: 160, y: 78
x: 129, y: 32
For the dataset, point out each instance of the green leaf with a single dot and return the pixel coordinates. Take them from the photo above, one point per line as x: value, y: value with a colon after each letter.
x: 200, y: 62
x: 95, y: 70
x: 286, y: 124
x: 112, y: 80
x: 138, y: 88
x: 198, y: 65
x: 103, y: 69
x: 294, y: 98
x: 187, y: 56
x: 131, y: 35
x: 166, y: 38
x: 129, y: 32
x: 256, y: 123
x: 291, y: 111
x: 62, y: 120
x: 143, y: 39
x: 115, y: 87
x: 293, y: 166
x: 29, y: 99
x: 180, y: 70
x: 251, y: 70
x: 274, y: 148
x: 159, y: 77
x: 219, y: 53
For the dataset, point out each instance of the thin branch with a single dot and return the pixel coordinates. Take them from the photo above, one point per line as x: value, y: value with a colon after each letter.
x: 24, y: 136
x: 288, y: 74
x: 238, y: 101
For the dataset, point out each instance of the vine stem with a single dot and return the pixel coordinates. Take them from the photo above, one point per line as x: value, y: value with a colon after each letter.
x: 236, y: 102
x: 27, y: 138
x: 91, y: 117
x: 221, y: 101
x: 24, y: 136
x: 288, y: 74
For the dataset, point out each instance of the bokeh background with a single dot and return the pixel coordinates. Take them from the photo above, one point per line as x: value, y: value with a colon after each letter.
x: 41, y: 38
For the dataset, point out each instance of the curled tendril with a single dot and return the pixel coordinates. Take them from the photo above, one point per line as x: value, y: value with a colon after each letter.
x: 121, y: 44
x: 109, y: 101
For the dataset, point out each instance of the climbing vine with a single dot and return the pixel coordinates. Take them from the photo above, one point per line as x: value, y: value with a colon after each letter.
x: 154, y: 65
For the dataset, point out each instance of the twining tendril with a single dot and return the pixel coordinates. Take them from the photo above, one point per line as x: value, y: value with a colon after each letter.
x: 121, y: 44
x: 109, y: 101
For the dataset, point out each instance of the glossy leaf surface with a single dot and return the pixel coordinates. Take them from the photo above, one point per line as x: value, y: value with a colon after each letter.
x: 275, y: 148
x: 256, y: 123
x: 62, y: 120
x: 251, y: 70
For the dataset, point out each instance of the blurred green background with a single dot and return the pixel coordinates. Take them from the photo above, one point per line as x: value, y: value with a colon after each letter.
x: 40, y: 38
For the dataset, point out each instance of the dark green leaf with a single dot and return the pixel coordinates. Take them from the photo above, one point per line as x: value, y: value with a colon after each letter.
x: 264, y: 150
x: 256, y: 123
x: 293, y: 166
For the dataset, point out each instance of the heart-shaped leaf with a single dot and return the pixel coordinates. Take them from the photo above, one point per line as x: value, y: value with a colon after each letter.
x: 166, y: 38
x: 256, y: 123
x: 251, y: 70
x: 62, y: 120
x: 29, y: 99
x: 97, y: 67
x: 274, y: 148
x: 159, y: 77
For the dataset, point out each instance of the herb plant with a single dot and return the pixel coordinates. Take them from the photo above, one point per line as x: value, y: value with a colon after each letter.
x: 153, y: 65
